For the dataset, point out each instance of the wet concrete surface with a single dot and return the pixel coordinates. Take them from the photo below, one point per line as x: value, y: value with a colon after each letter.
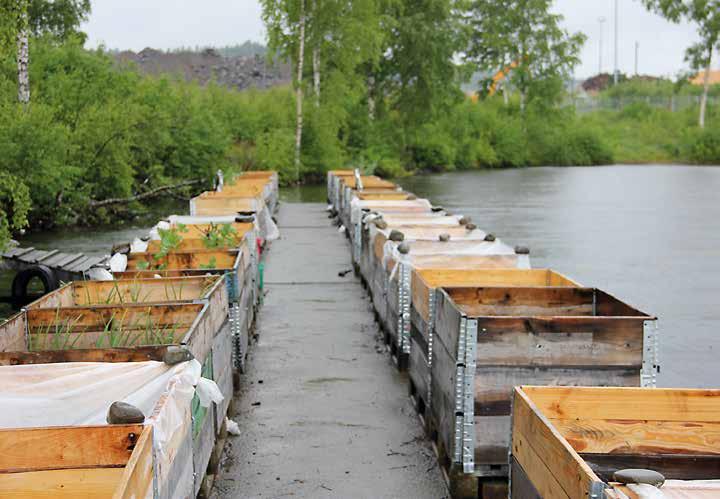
x: 323, y: 413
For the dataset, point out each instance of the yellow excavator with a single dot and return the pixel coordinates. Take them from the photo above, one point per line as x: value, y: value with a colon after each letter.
x: 500, y: 76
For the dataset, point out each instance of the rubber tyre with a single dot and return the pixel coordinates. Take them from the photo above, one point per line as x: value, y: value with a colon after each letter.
x: 23, y: 278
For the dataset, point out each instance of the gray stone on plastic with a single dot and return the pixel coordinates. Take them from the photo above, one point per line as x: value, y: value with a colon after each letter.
x: 444, y: 237
x: 471, y: 226
x: 465, y: 220
x: 396, y: 235
x: 639, y: 476
x: 404, y: 248
x: 176, y: 354
x: 381, y: 224
x: 522, y: 250
x: 490, y: 238
x: 411, y: 197
x: 124, y: 413
x: 437, y: 208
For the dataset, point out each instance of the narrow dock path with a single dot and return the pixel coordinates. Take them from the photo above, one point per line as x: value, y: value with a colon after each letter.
x: 322, y: 413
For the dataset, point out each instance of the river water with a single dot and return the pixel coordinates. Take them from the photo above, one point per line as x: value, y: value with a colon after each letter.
x: 650, y: 235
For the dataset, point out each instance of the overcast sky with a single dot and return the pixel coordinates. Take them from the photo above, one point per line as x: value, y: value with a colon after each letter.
x: 165, y: 24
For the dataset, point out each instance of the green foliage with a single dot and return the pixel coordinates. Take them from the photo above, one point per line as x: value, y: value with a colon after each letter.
x: 220, y: 236
x: 170, y: 240
x: 14, y: 206
x: 702, y: 146
x: 523, y: 38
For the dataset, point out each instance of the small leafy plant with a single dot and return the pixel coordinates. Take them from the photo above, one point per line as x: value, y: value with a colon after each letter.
x: 220, y: 236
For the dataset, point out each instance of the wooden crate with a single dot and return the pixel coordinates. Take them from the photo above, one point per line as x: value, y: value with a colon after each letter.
x: 77, y: 462
x: 399, y: 284
x: 567, y: 442
x: 83, y: 333
x: 489, y: 339
x: 196, y: 236
x: 206, y: 206
x: 425, y: 283
x: 172, y: 289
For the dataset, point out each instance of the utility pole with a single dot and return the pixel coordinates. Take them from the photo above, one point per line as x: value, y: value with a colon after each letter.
x: 601, y: 20
x: 637, y: 52
x: 616, y: 72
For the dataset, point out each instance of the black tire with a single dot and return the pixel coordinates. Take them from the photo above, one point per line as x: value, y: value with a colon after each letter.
x: 23, y: 278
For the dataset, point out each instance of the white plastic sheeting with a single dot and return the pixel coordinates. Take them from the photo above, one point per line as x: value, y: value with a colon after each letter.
x: 80, y: 393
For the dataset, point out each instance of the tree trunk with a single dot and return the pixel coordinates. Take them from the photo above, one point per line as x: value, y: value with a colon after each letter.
x: 299, y: 91
x: 316, y: 74
x: 23, y: 57
x: 706, y: 88
x: 371, y: 97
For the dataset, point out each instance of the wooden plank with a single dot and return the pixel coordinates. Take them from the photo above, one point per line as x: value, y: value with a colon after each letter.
x: 37, y: 449
x: 447, y: 323
x: 12, y: 333
x: 68, y: 259
x: 212, y: 259
x: 129, y: 354
x: 602, y: 436
x: 172, y: 289
x: 494, y: 385
x: 137, y: 477
x: 521, y: 486
x: 551, y: 464
x: 618, y: 403
x: 48, y: 255
x: 203, y: 445
x: 560, y: 341
x: 523, y: 301
x: 90, y: 340
x: 223, y: 372
x: 61, y: 297
x: 672, y: 466
x: 71, y: 483
x: 94, y: 318
x: 75, y: 265
x: 33, y: 256
x: 90, y: 263
x: 442, y: 407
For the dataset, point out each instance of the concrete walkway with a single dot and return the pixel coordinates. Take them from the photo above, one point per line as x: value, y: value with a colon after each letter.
x: 323, y: 412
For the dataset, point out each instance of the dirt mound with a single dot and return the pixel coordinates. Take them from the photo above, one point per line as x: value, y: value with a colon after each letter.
x: 209, y: 65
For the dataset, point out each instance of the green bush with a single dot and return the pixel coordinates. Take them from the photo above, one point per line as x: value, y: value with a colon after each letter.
x: 702, y: 146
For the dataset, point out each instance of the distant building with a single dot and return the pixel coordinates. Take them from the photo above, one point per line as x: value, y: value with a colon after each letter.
x: 699, y: 79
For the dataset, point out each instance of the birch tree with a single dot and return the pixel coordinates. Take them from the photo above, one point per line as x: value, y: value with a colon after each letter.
x: 23, y: 53
x: 525, y: 37
x: 706, y: 15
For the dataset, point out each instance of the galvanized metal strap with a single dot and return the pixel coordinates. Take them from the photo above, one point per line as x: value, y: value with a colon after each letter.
x: 430, y: 331
x: 469, y: 396
x: 405, y: 276
x: 650, y: 355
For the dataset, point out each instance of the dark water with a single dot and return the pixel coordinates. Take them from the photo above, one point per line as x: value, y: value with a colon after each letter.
x: 650, y: 235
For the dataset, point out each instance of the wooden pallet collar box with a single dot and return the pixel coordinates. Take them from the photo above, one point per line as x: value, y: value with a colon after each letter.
x: 490, y: 339
x: 568, y: 441
x: 58, y: 442
x: 424, y: 285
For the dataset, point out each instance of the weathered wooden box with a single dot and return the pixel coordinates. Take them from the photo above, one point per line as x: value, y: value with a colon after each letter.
x: 424, y: 286
x: 111, y: 333
x: 77, y: 462
x: 199, y: 236
x: 489, y: 339
x: 212, y: 203
x: 568, y: 442
x: 395, y: 278
x: 241, y: 281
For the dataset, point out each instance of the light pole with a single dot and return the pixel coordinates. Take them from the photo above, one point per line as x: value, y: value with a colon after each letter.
x: 616, y: 72
x: 601, y: 20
